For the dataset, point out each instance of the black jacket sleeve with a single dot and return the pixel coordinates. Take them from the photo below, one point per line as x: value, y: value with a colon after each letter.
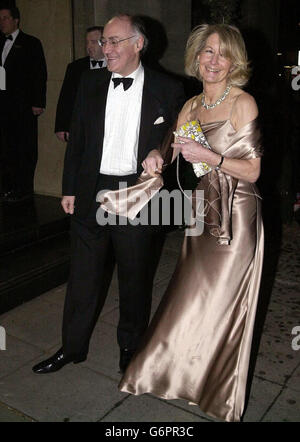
x: 67, y: 96
x: 38, y: 75
x: 75, y: 146
x: 65, y: 102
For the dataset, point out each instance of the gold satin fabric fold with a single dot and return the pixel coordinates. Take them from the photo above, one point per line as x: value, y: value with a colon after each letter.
x: 198, y: 344
x: 219, y: 187
x: 129, y: 201
x: 242, y: 144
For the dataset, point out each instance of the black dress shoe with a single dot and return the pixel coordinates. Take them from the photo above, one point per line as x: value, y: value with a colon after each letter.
x: 125, y: 357
x: 56, y: 362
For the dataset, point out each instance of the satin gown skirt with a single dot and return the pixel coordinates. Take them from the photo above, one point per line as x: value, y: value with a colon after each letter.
x: 198, y: 344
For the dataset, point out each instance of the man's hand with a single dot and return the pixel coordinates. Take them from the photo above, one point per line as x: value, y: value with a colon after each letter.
x: 153, y: 163
x: 67, y: 203
x: 62, y: 136
x: 37, y: 110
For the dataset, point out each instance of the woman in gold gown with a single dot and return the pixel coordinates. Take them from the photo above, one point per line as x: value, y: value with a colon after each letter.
x: 198, y: 344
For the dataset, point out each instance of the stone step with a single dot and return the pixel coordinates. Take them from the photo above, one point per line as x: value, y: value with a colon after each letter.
x: 32, y: 220
x: 34, y: 249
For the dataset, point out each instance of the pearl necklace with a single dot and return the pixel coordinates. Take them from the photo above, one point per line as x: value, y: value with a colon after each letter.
x: 219, y: 101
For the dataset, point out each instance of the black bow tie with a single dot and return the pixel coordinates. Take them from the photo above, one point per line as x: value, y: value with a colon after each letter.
x: 9, y: 37
x: 127, y: 82
x: 95, y: 62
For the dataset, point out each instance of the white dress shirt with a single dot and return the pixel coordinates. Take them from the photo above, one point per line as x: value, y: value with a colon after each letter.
x: 8, y: 45
x: 122, y: 126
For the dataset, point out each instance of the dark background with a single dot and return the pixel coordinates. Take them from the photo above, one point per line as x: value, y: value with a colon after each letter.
x: 271, y: 29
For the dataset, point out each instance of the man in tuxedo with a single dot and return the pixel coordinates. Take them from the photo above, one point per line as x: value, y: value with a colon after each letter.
x: 118, y: 119
x: 94, y: 60
x: 22, y: 101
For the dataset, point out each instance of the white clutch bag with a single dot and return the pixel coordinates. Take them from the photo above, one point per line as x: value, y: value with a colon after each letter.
x: 193, y: 130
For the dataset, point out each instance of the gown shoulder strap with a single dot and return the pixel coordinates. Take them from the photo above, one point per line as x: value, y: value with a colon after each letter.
x: 193, y: 101
x: 233, y: 105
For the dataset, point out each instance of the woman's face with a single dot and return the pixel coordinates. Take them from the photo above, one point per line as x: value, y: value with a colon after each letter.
x: 213, y: 66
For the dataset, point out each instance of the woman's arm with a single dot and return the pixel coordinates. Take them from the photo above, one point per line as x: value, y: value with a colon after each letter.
x: 245, y: 110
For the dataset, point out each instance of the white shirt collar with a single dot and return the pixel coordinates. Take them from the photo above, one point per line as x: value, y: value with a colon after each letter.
x: 101, y: 59
x: 135, y: 74
x: 15, y: 34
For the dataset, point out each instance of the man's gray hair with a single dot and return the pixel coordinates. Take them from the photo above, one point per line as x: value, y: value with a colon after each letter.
x: 138, y: 26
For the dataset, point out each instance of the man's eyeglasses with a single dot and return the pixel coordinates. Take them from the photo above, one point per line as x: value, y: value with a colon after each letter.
x: 112, y: 41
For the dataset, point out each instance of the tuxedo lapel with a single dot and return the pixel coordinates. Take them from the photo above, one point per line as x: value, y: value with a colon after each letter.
x: 147, y: 117
x: 2, y: 43
x: 17, y: 45
x: 151, y: 108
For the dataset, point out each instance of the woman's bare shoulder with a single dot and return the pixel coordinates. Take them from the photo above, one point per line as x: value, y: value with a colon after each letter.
x: 244, y: 109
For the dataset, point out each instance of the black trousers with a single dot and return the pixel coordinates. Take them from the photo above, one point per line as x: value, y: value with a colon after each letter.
x: 95, y: 250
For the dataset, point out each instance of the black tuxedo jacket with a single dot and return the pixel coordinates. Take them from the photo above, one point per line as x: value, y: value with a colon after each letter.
x: 162, y: 97
x: 68, y: 92
x: 26, y: 73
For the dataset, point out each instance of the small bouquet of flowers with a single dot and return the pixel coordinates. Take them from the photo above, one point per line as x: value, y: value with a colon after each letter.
x: 193, y: 130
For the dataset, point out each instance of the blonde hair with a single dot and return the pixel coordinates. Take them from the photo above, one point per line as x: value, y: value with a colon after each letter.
x: 232, y: 46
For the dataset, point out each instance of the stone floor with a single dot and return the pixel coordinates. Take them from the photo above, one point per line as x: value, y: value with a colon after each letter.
x: 88, y: 391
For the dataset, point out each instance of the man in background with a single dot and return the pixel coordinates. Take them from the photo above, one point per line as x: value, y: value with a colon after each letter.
x: 94, y: 60
x: 21, y: 102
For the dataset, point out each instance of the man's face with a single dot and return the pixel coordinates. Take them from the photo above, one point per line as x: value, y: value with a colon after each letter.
x: 124, y: 57
x: 7, y: 24
x: 93, y: 48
